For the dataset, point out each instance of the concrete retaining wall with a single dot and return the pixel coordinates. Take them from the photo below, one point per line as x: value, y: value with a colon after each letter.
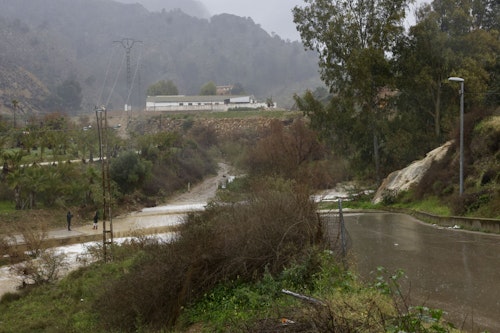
x: 469, y: 223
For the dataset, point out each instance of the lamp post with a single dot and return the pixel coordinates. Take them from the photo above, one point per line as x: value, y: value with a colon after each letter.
x: 459, y: 79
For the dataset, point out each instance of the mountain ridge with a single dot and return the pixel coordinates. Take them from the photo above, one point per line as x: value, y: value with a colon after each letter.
x: 59, y: 40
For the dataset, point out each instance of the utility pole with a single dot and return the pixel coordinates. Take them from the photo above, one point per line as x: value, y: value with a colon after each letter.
x: 128, y: 44
x: 107, y: 229
x: 461, y: 81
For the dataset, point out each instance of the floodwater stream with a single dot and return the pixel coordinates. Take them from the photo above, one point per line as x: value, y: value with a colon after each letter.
x: 453, y: 270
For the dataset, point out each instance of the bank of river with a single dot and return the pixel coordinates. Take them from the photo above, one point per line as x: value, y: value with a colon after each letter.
x: 453, y: 270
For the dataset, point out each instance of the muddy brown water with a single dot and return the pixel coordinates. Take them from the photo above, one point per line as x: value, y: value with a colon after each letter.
x: 453, y: 270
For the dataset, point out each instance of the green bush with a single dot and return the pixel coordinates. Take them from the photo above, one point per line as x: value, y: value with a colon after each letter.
x: 129, y: 171
x: 223, y: 243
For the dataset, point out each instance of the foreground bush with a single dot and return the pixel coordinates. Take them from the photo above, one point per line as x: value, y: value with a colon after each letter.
x: 331, y: 299
x: 240, y: 242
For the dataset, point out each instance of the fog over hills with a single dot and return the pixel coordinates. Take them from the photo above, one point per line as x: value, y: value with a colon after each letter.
x: 190, y: 7
x: 68, y: 43
x: 275, y: 16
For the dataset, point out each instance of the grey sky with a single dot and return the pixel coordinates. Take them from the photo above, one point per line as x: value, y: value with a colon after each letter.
x: 272, y: 15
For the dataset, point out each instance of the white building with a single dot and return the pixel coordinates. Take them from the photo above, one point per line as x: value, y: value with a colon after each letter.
x: 201, y: 103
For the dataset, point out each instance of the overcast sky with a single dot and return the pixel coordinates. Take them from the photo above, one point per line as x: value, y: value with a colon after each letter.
x: 272, y: 15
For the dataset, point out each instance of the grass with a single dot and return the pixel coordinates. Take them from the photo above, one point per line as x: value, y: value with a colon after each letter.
x: 490, y: 124
x: 67, y: 306
x: 6, y: 206
x: 71, y: 304
x: 431, y: 205
x: 34, y: 156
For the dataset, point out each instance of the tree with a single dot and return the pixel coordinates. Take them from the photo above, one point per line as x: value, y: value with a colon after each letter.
x: 69, y: 94
x: 15, y: 105
x: 27, y: 183
x: 208, y: 88
x: 156, y: 147
x: 129, y: 171
x: 424, y: 62
x: 286, y: 152
x: 353, y: 40
x: 487, y: 14
x: 451, y: 38
x: 237, y: 89
x: 162, y: 88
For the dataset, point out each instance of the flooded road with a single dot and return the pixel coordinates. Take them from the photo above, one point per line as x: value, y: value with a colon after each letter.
x: 452, y: 270
x: 148, y: 220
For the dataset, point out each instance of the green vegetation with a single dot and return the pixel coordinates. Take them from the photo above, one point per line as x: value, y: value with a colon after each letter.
x: 6, y: 206
x: 229, y: 265
x: 431, y: 205
x: 437, y: 192
x: 162, y: 88
x: 31, y: 182
x: 209, y: 88
x: 215, y: 279
x: 391, y: 101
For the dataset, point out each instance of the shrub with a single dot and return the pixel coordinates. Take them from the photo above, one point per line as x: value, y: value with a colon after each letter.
x: 34, y: 235
x: 470, y: 202
x: 129, y: 171
x: 269, y: 232
x: 288, y: 152
x: 44, y: 269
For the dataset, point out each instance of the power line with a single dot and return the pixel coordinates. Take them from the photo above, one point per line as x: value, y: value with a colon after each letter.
x: 111, y: 56
x: 128, y: 44
x: 136, y: 75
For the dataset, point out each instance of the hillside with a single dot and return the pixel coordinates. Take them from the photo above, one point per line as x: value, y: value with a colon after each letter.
x: 437, y: 175
x: 20, y: 84
x: 190, y: 7
x: 79, y: 40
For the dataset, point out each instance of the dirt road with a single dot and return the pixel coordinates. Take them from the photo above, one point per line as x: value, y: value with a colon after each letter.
x: 149, y: 220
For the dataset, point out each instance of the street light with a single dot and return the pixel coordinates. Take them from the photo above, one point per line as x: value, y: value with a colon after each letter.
x: 459, y: 79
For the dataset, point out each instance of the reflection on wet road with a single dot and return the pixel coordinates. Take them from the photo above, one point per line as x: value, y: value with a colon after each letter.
x: 453, y: 270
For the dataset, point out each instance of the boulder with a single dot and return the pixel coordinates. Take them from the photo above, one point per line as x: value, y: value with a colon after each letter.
x: 402, y: 180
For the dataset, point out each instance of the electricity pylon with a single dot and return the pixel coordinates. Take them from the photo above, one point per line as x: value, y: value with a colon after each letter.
x: 128, y: 44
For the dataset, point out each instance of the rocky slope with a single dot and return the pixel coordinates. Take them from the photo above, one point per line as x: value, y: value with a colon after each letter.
x: 402, y: 180
x: 437, y: 174
x: 21, y: 85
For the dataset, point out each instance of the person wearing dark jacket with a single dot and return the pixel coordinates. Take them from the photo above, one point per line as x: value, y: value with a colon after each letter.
x: 96, y: 218
x: 68, y: 219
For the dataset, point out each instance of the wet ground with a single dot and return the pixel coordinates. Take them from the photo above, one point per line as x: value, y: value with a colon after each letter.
x: 453, y: 270
x: 154, y: 220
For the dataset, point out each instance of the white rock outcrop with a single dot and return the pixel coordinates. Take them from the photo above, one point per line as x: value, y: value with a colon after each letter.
x: 403, y: 180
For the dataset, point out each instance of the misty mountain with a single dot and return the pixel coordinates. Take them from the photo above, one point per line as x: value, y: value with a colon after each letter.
x: 83, y: 41
x: 190, y: 7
